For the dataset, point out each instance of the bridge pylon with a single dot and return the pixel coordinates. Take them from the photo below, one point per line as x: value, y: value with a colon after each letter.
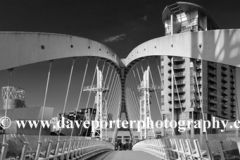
x: 101, y: 106
x: 146, y: 129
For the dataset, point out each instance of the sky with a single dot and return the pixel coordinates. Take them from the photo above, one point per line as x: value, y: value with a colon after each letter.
x: 119, y: 24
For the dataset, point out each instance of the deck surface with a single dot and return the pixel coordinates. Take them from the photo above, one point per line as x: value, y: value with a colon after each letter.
x: 125, y: 155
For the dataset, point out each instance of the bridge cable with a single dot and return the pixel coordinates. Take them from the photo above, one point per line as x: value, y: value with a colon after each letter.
x: 112, y: 87
x: 94, y: 74
x: 80, y: 93
x: 130, y: 96
x: 66, y: 97
x: 181, y: 107
x: 134, y: 101
x: 135, y: 98
x: 45, y: 98
x: 198, y: 90
x: 113, y: 94
x: 159, y: 107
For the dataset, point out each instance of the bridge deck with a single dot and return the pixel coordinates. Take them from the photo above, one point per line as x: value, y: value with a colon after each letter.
x: 125, y: 155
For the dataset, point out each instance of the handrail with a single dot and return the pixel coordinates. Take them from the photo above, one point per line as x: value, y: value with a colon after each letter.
x: 173, y: 149
x: 70, y: 150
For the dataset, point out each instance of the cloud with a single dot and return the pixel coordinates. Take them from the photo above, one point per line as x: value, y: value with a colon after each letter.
x: 116, y: 38
x: 144, y: 18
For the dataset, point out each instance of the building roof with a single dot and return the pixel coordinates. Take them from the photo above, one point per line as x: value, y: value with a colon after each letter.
x: 187, y: 6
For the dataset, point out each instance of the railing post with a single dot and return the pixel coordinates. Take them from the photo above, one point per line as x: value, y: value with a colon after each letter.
x: 23, y: 152
x: 189, y: 149
x: 197, y: 148
x: 220, y: 145
x: 69, y: 150
x: 49, y: 148
x: 4, y: 151
x: 56, y: 149
x: 38, y: 150
x: 63, y: 149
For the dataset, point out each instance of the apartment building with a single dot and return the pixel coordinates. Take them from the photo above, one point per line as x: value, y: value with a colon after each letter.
x: 197, y: 84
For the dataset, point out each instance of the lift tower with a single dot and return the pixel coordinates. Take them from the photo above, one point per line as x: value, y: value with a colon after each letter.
x: 101, y: 106
x: 147, y: 130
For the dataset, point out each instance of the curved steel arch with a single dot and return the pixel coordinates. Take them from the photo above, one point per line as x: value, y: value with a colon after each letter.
x: 222, y: 46
x: 23, y: 48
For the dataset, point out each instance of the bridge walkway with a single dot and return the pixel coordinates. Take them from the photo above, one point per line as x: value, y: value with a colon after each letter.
x: 124, y: 155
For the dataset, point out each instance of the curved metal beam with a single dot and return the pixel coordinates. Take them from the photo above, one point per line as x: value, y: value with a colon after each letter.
x: 23, y: 48
x: 222, y: 46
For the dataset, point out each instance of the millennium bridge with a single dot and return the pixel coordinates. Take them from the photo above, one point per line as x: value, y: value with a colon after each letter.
x: 120, y: 87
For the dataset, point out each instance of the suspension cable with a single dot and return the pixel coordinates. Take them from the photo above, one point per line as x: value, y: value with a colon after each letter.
x: 66, y: 97
x: 159, y: 107
x: 45, y: 98
x: 131, y: 100
x: 80, y: 94
x: 180, y: 103
x: 138, y: 75
x: 112, y: 94
x: 137, y: 101
x: 198, y: 90
x: 94, y: 74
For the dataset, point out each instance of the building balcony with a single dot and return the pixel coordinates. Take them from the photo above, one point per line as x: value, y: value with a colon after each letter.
x: 180, y: 66
x: 224, y: 73
x: 213, y: 79
x: 233, y: 92
x: 224, y: 67
x: 213, y: 72
x: 213, y: 100
x: 212, y: 108
x: 213, y: 86
x: 179, y: 74
x: 224, y: 93
x: 212, y: 64
x: 178, y: 59
x: 233, y: 98
x: 224, y: 80
x: 224, y: 86
x: 233, y: 104
x: 179, y: 90
x: 233, y: 115
x: 224, y: 106
x: 224, y: 99
x: 233, y: 110
x: 198, y: 67
x: 224, y: 112
x: 232, y: 86
x: 198, y: 60
x: 232, y: 81
x: 213, y: 93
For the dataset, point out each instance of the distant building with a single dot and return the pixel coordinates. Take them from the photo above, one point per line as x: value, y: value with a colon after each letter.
x: 80, y: 116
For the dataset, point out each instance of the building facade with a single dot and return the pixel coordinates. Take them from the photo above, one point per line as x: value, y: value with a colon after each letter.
x: 197, y: 84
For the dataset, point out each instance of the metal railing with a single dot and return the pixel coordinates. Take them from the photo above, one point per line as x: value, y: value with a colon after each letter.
x: 173, y: 149
x: 66, y: 149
